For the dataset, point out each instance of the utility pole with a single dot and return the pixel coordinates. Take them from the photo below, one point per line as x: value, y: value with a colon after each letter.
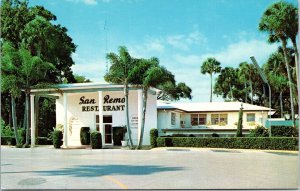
x: 264, y: 78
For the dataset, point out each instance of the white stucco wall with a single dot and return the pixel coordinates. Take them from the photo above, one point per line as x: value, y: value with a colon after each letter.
x: 163, y: 118
x: 77, y: 118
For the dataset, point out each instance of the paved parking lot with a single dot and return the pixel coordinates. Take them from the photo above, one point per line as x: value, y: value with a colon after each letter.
x: 162, y: 168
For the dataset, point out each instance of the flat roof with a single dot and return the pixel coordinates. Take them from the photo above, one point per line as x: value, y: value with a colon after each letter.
x: 85, y: 87
x: 210, y: 107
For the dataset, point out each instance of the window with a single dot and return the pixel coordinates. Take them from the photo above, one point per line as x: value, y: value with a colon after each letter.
x: 214, y: 119
x: 250, y: 117
x: 194, y: 119
x: 97, y: 123
x: 223, y: 119
x: 202, y: 119
x: 198, y: 119
x: 107, y: 119
x: 173, y: 118
x: 219, y: 119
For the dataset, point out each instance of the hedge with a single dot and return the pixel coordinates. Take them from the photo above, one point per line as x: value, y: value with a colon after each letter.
x: 273, y: 143
x: 284, y: 131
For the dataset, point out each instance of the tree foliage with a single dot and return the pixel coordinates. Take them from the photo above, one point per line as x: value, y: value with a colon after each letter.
x: 279, y: 21
x: 34, y: 37
x: 210, y: 66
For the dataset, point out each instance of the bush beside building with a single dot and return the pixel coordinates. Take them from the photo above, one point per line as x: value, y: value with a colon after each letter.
x: 273, y: 143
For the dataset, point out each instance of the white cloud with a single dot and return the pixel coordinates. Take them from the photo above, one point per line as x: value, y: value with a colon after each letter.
x: 93, y: 69
x: 241, y: 51
x: 155, y: 46
x: 184, y: 42
x: 90, y: 2
x: 165, y: 44
x: 233, y: 54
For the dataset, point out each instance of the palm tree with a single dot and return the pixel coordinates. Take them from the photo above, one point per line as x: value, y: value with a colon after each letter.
x: 10, y: 81
x: 226, y: 83
x: 276, y: 22
x: 229, y: 74
x: 21, y: 71
x: 210, y: 66
x: 33, y: 71
x: 245, y: 73
x: 121, y: 66
x: 276, y: 72
x: 279, y: 83
x: 170, y: 91
x: 291, y: 15
x: 148, y: 74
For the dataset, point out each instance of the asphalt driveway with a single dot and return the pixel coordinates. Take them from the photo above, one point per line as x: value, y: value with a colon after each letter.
x: 162, y: 168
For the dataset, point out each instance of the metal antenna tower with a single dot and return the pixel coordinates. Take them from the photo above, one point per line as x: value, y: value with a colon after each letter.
x: 105, y: 23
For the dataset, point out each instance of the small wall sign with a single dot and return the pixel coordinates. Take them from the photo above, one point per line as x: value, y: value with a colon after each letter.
x: 134, y: 120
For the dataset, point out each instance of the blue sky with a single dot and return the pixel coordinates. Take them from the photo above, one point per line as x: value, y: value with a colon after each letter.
x: 181, y: 33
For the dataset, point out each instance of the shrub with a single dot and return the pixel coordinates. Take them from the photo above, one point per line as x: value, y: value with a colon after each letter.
x: 8, y: 141
x: 153, y: 137
x: 96, y: 140
x: 215, y: 135
x: 284, y: 131
x: 21, y: 136
x: 239, y: 132
x: 118, y: 135
x: 7, y: 134
x: 259, y: 131
x: 57, y: 139
x: 85, y: 135
x: 273, y: 143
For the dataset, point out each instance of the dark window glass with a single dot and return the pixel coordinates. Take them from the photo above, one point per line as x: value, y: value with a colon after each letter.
x: 107, y: 119
x: 108, y: 129
x: 97, y: 118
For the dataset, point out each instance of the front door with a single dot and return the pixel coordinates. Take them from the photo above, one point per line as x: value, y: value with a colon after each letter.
x: 108, y: 133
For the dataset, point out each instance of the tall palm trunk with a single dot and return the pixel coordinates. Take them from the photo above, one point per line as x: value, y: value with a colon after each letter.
x: 246, y: 94
x: 281, y: 106
x: 296, y: 63
x: 27, y: 118
x: 251, y: 90
x: 127, y: 113
x: 36, y: 113
x: 210, y: 88
x: 145, y: 97
x: 231, y: 94
x: 297, y: 69
x: 14, y: 118
x: 290, y: 79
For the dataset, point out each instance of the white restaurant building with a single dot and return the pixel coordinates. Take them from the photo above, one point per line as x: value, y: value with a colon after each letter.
x: 101, y: 107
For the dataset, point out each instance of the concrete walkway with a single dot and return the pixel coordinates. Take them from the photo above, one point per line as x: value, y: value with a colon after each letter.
x: 161, y: 168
